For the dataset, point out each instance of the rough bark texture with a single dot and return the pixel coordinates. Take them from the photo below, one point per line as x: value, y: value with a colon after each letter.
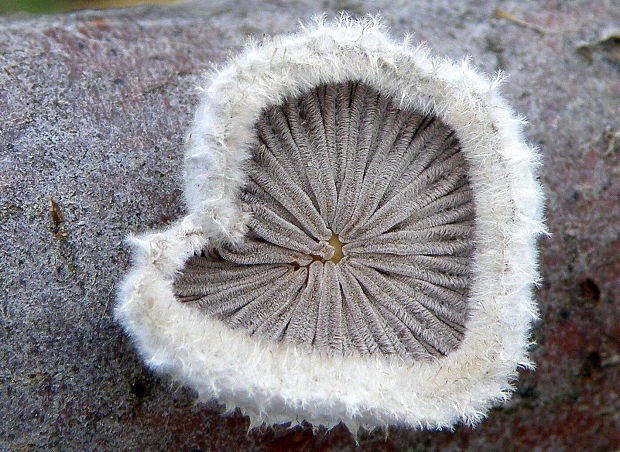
x: 93, y: 111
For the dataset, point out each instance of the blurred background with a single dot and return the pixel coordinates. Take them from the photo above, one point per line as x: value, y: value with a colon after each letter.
x: 57, y: 6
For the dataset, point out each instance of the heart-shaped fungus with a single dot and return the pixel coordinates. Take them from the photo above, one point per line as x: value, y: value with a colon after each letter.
x: 361, y: 231
x: 360, y: 245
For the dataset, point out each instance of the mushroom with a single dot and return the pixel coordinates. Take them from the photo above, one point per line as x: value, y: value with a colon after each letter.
x: 360, y: 245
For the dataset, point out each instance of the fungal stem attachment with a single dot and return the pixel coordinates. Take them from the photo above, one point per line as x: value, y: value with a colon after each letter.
x: 334, y: 251
x: 335, y: 243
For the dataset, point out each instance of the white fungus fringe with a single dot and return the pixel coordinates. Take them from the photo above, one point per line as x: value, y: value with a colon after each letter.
x: 279, y: 382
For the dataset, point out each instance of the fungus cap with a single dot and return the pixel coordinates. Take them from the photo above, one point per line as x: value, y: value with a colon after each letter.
x: 360, y: 242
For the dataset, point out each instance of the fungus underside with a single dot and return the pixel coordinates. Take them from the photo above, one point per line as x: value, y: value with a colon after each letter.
x: 361, y: 230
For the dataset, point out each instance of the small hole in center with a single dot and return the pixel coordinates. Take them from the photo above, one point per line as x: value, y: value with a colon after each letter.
x: 337, y: 245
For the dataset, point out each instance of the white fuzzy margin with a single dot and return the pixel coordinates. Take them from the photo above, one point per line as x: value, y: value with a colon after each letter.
x: 278, y: 383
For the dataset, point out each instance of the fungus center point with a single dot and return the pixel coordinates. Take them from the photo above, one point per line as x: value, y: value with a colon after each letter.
x: 337, y: 245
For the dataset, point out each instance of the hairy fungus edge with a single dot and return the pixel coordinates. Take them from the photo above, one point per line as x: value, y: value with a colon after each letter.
x: 278, y: 383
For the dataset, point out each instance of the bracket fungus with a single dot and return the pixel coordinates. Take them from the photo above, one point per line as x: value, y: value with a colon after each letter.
x: 360, y: 242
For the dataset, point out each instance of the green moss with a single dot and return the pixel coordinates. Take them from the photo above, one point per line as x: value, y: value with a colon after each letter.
x: 35, y: 6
